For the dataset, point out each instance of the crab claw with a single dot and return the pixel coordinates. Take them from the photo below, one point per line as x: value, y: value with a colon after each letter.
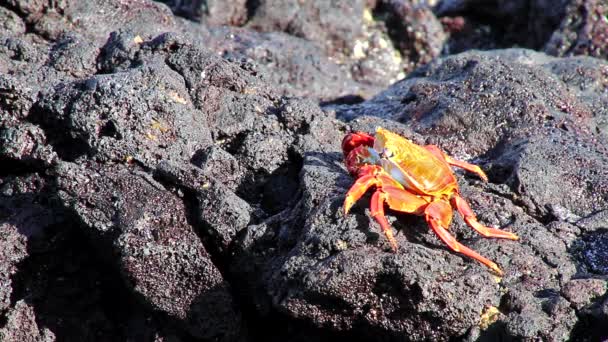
x: 354, y: 140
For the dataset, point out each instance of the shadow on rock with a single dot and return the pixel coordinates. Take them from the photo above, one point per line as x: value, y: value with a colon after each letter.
x: 588, y: 293
x: 591, y: 250
x: 60, y: 290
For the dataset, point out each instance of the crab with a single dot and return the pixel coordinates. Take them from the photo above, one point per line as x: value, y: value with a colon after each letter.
x: 413, y: 179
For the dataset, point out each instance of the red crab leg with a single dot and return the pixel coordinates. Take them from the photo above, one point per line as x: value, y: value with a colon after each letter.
x: 469, y: 217
x: 438, y: 215
x: 377, y: 212
x: 362, y: 184
x: 370, y: 175
x: 461, y: 164
x: 397, y: 199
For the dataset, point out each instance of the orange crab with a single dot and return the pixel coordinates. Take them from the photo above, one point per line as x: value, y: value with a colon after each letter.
x: 412, y: 179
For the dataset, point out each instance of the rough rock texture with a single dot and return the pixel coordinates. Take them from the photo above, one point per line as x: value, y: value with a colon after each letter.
x: 335, y: 23
x: 583, y: 30
x: 378, y: 39
x: 212, y: 12
x: 53, y: 286
x: 341, y: 47
x: 14, y: 249
x: 147, y: 232
x: 93, y: 19
x: 414, y: 29
x: 294, y: 65
x: 526, y: 131
x: 500, y: 23
x: 188, y: 186
x: 21, y: 326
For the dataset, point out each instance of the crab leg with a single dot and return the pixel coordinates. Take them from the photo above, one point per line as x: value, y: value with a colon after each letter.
x: 469, y: 167
x: 397, y: 199
x: 458, y: 163
x: 355, y: 192
x: 439, y: 215
x: 377, y: 212
x: 469, y: 217
x: 373, y: 176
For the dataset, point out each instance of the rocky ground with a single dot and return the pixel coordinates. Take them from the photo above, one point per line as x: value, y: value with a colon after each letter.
x: 172, y: 171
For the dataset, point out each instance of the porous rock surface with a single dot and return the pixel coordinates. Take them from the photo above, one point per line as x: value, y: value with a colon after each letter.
x: 173, y: 181
x: 501, y: 23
